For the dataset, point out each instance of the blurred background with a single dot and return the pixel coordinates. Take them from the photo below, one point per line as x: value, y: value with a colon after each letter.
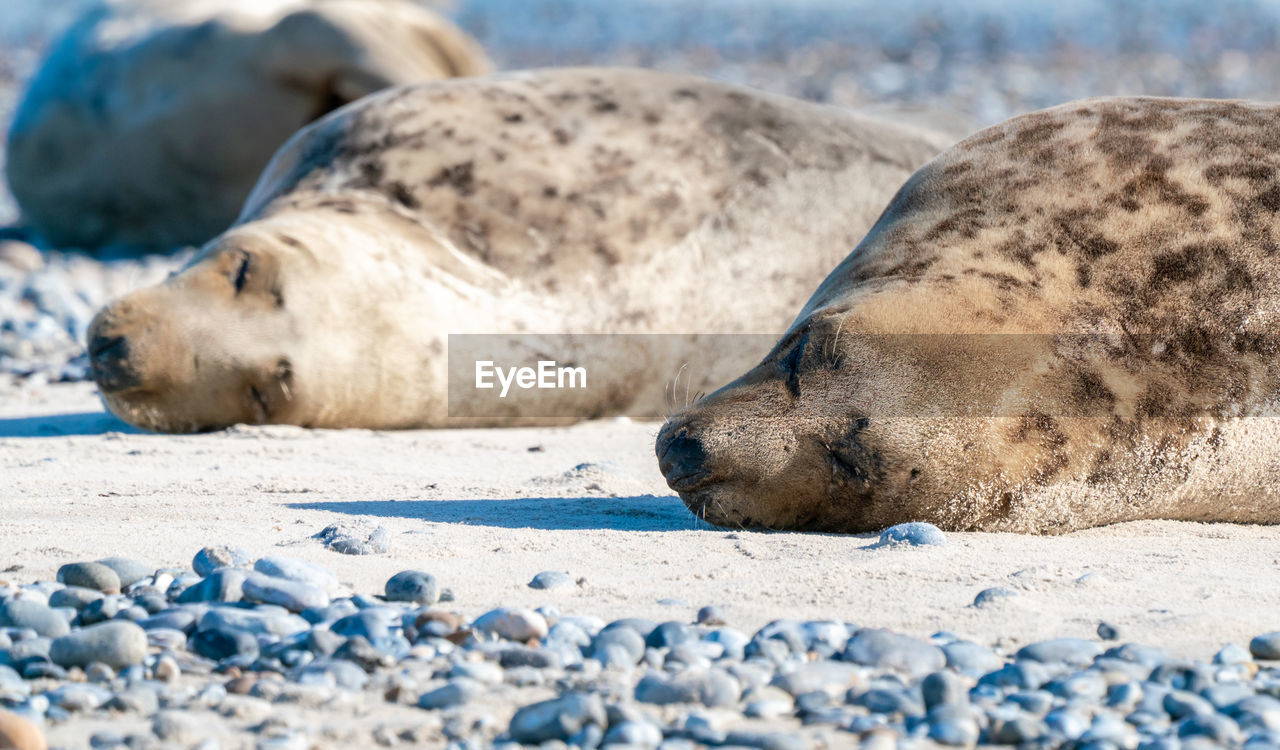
x: 980, y: 60
x: 961, y: 65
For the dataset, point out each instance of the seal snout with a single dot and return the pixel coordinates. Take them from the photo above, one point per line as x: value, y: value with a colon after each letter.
x: 682, y: 459
x: 109, y: 360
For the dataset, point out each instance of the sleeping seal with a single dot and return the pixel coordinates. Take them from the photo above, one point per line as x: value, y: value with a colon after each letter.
x: 560, y: 201
x: 150, y: 121
x: 1066, y: 320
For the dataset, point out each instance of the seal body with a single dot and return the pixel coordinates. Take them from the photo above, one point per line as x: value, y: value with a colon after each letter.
x: 1066, y: 320
x: 150, y: 121
x: 565, y: 201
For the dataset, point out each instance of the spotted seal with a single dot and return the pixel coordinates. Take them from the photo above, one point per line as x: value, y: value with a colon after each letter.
x: 579, y: 200
x: 1066, y: 320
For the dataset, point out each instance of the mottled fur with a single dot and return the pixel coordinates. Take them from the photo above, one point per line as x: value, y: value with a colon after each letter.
x: 584, y: 201
x: 1113, y: 266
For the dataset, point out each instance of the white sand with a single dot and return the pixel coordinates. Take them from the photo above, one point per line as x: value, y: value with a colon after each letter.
x: 484, y: 513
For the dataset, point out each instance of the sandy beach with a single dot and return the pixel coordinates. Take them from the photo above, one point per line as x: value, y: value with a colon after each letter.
x: 486, y: 510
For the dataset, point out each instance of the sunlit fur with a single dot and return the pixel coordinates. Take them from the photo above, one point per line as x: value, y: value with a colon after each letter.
x: 584, y: 201
x: 1110, y: 270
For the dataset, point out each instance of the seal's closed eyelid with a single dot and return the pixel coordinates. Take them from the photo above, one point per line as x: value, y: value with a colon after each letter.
x: 240, y: 270
x: 791, y: 364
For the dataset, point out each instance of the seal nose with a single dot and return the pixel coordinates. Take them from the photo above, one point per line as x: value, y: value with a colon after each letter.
x: 109, y: 360
x: 682, y: 460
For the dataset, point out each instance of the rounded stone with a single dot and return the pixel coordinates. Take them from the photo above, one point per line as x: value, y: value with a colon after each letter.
x: 294, y: 596
x: 953, y: 725
x: 302, y: 571
x: 128, y: 570
x: 455, y: 692
x: 74, y: 597
x: 90, y: 575
x: 915, y: 534
x: 710, y: 687
x: 1075, y: 652
x: 711, y: 615
x: 222, y: 585
x: 27, y: 613
x: 210, y: 559
x: 943, y: 688
x: 412, y: 586
x: 224, y: 643
x: 551, y: 579
x: 117, y: 643
x: 512, y: 623
x: 1266, y: 646
x: 614, y: 641
x: 992, y: 595
x: 886, y: 650
x: 1232, y: 653
x: 557, y: 719
x: 671, y: 634
x: 634, y: 734
x: 1107, y: 631
x: 972, y: 659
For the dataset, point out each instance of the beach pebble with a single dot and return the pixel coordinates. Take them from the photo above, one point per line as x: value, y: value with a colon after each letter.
x: 74, y: 597
x: 512, y: 623
x: 954, y: 725
x: 1233, y: 653
x: 557, y: 719
x: 914, y: 533
x: 293, y: 595
x: 1266, y: 646
x: 614, y: 641
x: 180, y: 727
x: 972, y: 659
x: 302, y: 571
x: 710, y: 687
x: 90, y: 575
x: 219, y: 643
x: 412, y: 586
x: 27, y: 613
x: 455, y: 692
x: 19, y: 733
x: 210, y: 559
x: 118, y: 644
x: 711, y: 615
x: 993, y: 595
x: 637, y: 734
x: 671, y: 634
x: 886, y: 650
x: 221, y: 585
x: 77, y: 698
x: 827, y: 676
x: 1074, y: 652
x: 128, y: 570
x: 551, y: 579
x: 944, y: 688
x: 354, y: 541
x: 1107, y: 631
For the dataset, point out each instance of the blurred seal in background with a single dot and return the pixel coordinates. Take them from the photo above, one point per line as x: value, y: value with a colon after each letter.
x: 150, y: 121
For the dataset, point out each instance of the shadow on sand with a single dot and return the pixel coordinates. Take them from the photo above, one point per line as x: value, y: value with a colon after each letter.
x: 641, y: 513
x: 55, y: 425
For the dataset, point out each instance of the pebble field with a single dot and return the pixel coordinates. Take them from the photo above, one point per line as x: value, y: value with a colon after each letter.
x: 216, y: 655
